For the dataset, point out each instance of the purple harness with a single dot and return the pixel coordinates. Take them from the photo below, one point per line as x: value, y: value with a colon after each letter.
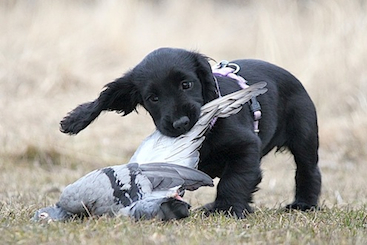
x: 226, y: 69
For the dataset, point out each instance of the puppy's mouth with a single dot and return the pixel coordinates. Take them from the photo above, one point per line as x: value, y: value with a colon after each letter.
x: 175, y: 125
x: 172, y: 132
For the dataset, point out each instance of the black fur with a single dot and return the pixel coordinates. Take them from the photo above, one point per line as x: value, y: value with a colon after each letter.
x: 172, y: 85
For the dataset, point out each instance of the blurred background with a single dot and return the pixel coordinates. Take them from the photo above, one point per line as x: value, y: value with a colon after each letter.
x: 55, y: 55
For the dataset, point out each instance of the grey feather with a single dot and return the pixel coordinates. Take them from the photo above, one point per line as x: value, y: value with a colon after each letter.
x: 177, y: 175
x: 184, y: 149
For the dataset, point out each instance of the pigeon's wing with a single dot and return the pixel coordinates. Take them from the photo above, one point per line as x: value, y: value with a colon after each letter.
x: 166, y: 176
x: 159, y: 148
x: 229, y: 104
x: 153, y: 149
x: 187, y: 145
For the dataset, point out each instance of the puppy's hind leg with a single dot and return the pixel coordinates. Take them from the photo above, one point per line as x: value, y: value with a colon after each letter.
x: 303, y: 142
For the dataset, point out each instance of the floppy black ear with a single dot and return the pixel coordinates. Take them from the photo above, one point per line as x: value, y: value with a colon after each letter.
x: 120, y: 95
x: 206, y: 77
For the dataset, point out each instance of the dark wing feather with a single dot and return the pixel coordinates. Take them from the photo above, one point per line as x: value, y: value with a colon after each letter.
x: 166, y: 175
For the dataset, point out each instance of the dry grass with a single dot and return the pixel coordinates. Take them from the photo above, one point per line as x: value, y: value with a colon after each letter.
x: 55, y: 55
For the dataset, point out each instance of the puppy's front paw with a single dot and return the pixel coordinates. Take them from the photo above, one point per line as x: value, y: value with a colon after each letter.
x: 228, y: 210
x: 207, y: 209
x: 302, y: 206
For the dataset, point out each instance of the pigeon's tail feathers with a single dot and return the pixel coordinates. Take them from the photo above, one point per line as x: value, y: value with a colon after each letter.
x: 166, y: 175
x: 52, y: 213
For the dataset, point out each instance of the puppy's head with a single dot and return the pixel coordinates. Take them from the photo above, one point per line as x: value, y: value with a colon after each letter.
x: 171, y: 84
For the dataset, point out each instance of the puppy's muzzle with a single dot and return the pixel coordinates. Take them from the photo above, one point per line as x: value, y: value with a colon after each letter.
x: 182, y: 124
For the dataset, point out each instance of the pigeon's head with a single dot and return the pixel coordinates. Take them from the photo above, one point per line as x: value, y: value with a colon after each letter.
x: 50, y: 214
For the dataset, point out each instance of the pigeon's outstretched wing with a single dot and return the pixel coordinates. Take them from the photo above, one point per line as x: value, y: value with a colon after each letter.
x: 133, y: 190
x: 184, y: 149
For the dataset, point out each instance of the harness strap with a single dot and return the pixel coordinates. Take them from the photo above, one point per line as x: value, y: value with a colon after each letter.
x: 227, y: 69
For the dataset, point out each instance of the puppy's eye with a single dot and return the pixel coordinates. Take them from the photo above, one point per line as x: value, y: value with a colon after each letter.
x: 153, y: 98
x: 186, y: 85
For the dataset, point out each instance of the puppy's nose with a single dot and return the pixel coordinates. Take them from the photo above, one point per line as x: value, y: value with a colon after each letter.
x: 182, y: 123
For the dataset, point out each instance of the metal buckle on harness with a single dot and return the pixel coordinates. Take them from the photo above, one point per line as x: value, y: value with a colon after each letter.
x: 256, y: 112
x: 225, y: 63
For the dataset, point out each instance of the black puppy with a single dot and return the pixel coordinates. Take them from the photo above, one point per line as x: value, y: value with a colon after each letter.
x: 172, y: 85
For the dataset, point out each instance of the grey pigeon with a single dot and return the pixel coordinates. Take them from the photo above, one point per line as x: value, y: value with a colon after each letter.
x: 139, y: 191
x: 184, y: 149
